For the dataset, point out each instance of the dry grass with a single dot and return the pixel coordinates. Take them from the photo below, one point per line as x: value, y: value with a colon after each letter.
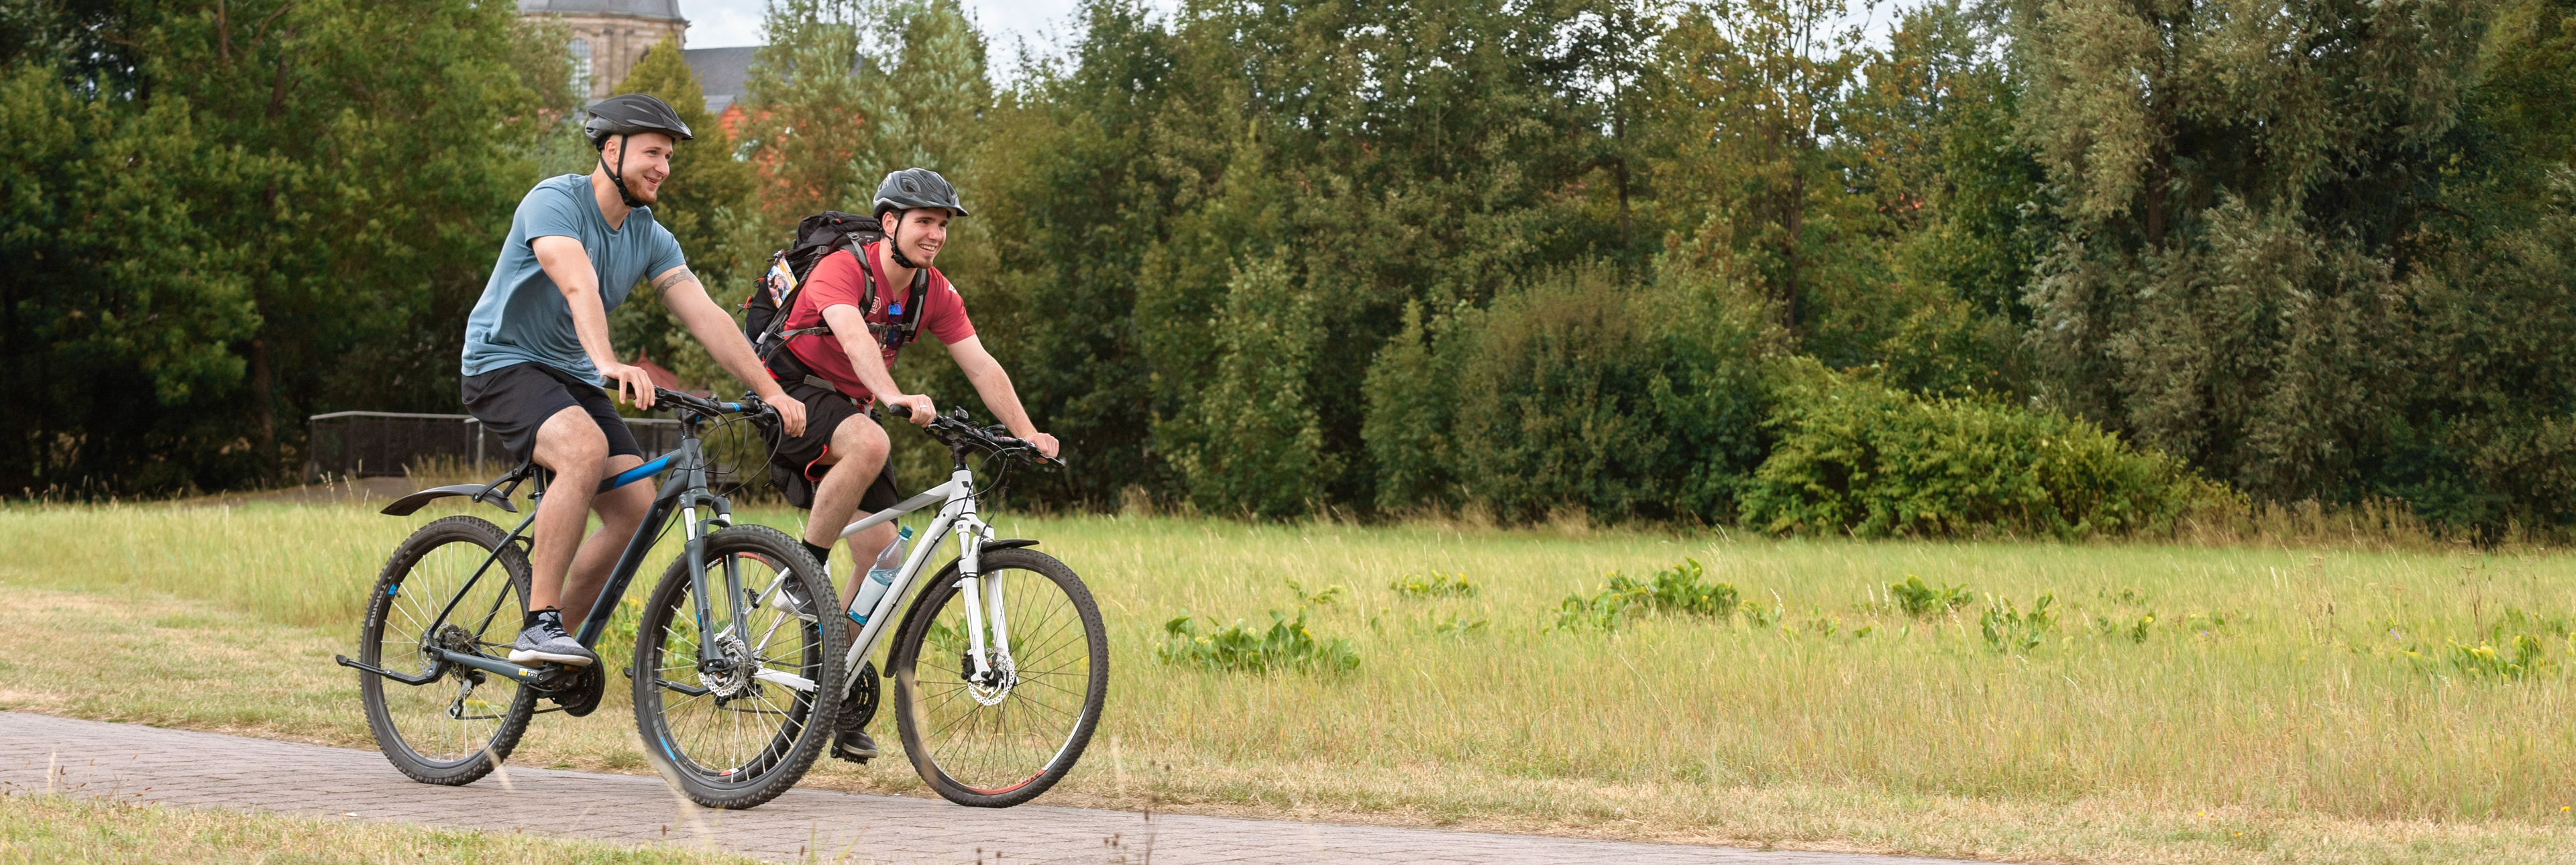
x: 2285, y: 705
x: 67, y: 829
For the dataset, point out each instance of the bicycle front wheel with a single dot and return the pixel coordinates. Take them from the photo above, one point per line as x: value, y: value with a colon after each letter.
x: 455, y: 585
x: 735, y: 719
x: 1000, y: 735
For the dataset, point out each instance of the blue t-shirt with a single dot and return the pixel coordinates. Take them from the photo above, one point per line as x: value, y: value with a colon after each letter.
x: 522, y: 316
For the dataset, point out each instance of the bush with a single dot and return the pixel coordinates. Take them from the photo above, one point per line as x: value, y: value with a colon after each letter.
x: 1288, y: 644
x: 1575, y: 389
x: 1856, y: 457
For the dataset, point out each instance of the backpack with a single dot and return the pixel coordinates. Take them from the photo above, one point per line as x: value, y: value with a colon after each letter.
x: 774, y: 292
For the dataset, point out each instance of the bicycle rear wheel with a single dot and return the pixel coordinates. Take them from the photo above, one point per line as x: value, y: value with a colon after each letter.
x: 456, y: 728
x: 994, y: 741
x: 737, y: 723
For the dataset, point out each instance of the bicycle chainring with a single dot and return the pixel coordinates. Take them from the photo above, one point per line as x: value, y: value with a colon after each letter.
x: 860, y: 705
x: 581, y: 695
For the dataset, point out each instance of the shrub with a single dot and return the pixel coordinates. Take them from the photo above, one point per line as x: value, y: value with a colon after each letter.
x: 1433, y: 584
x: 1576, y: 389
x: 1856, y: 457
x: 1287, y: 645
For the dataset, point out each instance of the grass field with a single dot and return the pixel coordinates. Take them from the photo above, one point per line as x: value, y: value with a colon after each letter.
x: 2181, y: 705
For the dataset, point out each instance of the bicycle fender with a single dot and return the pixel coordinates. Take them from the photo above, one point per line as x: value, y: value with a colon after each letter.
x: 403, y: 507
x: 1006, y: 544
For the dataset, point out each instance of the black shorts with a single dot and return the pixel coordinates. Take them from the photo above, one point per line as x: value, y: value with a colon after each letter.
x: 513, y: 401
x: 795, y: 461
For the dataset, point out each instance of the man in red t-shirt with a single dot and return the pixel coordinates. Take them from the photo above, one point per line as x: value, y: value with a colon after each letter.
x: 840, y: 459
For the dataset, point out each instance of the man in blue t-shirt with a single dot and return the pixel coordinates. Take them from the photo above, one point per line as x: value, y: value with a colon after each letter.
x: 537, y: 355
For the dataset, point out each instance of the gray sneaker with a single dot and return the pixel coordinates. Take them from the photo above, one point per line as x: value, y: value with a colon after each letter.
x: 546, y: 641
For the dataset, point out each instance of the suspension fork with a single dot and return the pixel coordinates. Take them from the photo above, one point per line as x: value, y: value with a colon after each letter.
x: 980, y: 591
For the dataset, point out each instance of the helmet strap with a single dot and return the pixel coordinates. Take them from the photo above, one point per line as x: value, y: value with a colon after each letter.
x: 617, y: 177
x: 894, y: 242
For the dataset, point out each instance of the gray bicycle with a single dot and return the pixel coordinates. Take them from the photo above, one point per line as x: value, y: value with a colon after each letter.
x: 727, y: 652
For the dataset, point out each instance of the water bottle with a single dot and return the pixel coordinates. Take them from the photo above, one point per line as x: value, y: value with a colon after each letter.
x: 880, y: 577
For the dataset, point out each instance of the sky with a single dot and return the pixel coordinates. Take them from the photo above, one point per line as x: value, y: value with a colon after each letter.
x: 1044, y: 24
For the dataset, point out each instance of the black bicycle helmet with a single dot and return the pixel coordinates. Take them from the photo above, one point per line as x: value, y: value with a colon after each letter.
x: 627, y: 114
x: 913, y: 188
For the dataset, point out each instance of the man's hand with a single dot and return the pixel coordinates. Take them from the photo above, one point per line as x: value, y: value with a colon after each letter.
x: 1045, y: 443
x: 791, y: 414
x: 633, y: 383
x: 916, y: 406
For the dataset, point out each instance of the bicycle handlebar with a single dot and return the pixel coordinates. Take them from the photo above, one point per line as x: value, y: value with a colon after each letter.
x: 749, y: 406
x: 956, y: 430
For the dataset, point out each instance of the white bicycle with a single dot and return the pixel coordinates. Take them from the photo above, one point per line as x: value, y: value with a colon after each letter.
x: 1001, y: 665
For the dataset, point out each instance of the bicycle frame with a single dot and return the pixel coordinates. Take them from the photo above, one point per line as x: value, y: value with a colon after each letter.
x: 984, y: 603
x: 684, y: 491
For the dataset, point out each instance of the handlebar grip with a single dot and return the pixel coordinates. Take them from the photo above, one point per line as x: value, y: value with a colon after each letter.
x: 895, y: 408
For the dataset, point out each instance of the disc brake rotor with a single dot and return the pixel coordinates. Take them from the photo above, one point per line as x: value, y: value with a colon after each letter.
x: 989, y: 688
x: 728, y: 674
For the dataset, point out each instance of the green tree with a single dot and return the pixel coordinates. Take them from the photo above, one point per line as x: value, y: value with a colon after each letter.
x: 1257, y: 446
x: 349, y: 167
x: 2238, y: 198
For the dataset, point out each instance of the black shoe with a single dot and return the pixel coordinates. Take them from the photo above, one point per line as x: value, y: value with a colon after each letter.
x: 854, y: 746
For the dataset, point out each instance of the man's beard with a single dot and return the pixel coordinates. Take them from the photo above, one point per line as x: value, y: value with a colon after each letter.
x: 636, y: 189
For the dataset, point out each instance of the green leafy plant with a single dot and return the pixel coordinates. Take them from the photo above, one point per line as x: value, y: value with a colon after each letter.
x: 1681, y: 588
x: 1920, y: 600
x: 1433, y: 584
x: 2008, y: 628
x: 1288, y: 644
x: 2484, y: 659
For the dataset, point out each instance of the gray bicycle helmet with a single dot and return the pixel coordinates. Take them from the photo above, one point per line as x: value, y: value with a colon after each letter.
x: 627, y: 114
x: 913, y: 188
x: 916, y: 187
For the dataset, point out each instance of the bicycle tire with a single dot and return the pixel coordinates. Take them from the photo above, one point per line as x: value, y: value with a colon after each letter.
x: 744, y: 764
x: 975, y: 757
x: 424, y: 572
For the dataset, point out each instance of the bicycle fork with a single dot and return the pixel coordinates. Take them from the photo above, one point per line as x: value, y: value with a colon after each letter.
x: 984, y: 605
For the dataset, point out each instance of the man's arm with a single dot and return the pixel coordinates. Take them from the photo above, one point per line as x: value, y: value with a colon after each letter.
x: 994, y: 385
x: 866, y: 360
x: 564, y: 261
x: 688, y: 299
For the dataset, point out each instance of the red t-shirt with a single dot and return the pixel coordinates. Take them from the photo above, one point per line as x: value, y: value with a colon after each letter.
x: 836, y: 281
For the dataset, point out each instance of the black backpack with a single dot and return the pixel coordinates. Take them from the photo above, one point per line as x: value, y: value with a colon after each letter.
x: 774, y: 291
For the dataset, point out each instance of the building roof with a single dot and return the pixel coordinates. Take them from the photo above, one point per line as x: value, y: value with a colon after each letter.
x: 667, y: 10
x: 721, y: 73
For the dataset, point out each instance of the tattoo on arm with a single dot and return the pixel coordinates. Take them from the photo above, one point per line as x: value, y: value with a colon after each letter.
x: 676, y: 276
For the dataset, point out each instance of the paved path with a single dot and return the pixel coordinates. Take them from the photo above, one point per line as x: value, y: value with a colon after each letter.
x: 181, y: 768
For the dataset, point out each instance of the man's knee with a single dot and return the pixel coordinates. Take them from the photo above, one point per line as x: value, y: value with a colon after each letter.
x: 859, y: 439
x: 570, y: 442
